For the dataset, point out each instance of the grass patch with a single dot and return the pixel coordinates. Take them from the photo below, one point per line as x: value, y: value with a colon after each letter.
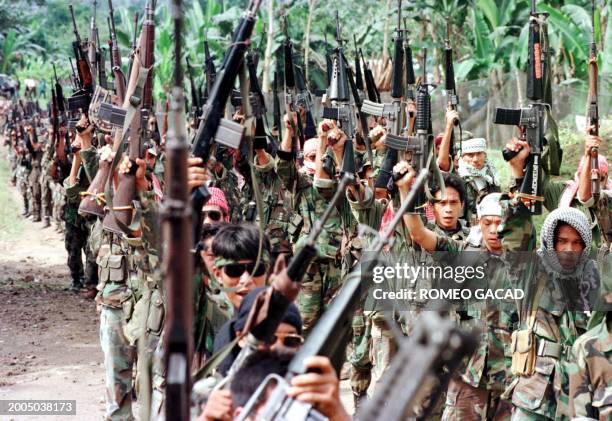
x: 11, y: 224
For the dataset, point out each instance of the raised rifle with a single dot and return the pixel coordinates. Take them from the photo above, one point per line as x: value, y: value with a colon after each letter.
x: 102, y: 79
x: 370, y: 84
x: 393, y: 112
x: 329, y: 66
x: 291, y: 90
x: 364, y: 133
x: 284, y: 289
x: 304, y: 99
x: 330, y: 334
x: 119, y: 217
x: 93, y: 38
x: 449, y: 83
x: 196, y: 104
x: 212, y: 126
x: 358, y: 73
x: 119, y: 82
x: 276, y: 107
x: 593, y: 108
x: 434, y: 349
x: 81, y: 98
x: 133, y: 47
x: 530, y: 120
x: 257, y: 102
x: 209, y: 68
x: 177, y: 258
x: 410, y: 77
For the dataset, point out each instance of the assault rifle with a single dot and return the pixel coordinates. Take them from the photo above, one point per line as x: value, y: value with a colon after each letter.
x: 410, y: 77
x: 283, y: 290
x: 449, y: 84
x: 257, y: 102
x: 330, y: 334
x: 304, y: 99
x: 209, y: 69
x: 212, y: 126
x: 93, y: 38
x: 593, y: 110
x: 119, y: 217
x: 290, y: 90
x: 393, y: 113
x: 276, y: 107
x: 358, y: 74
x: 85, y: 83
x: 116, y: 57
x: 530, y: 120
x: 196, y: 104
x: 371, y: 89
x: 133, y: 47
x: 101, y: 62
x: 178, y: 338
x: 434, y: 349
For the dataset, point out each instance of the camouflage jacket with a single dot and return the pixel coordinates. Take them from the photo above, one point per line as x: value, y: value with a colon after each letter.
x: 90, y: 162
x: 277, y: 209
x: 590, y: 374
x: 311, y: 197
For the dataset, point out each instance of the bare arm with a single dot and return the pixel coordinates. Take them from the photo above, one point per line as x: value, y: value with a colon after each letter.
x: 420, y: 234
x: 584, y: 177
x: 444, y: 158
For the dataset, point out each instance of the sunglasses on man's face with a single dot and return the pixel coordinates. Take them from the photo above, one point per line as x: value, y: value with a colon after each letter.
x: 236, y: 270
x: 290, y: 340
x: 213, y: 215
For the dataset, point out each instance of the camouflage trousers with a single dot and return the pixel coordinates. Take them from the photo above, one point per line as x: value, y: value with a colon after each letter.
x: 46, y: 196
x: 75, y: 241
x: 321, y: 282
x: 22, y: 175
x: 118, y: 363
x: 34, y: 191
x: 465, y: 402
x: 13, y: 166
x: 59, y: 201
x: 373, y: 349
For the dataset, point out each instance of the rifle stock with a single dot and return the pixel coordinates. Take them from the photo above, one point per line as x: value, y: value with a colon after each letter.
x: 119, y: 218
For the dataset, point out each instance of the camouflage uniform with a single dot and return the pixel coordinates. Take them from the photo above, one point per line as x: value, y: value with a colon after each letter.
x: 324, y: 274
x: 116, y: 297
x: 46, y: 182
x: 557, y: 322
x: 228, y: 181
x: 277, y: 211
x: 77, y: 232
x: 477, y: 187
x: 59, y: 202
x: 590, y: 381
x: 34, y: 190
x: 22, y: 174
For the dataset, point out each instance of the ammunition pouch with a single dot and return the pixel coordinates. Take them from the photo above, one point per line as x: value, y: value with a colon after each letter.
x: 113, y: 268
x: 295, y: 224
x: 523, y: 352
x: 155, y: 318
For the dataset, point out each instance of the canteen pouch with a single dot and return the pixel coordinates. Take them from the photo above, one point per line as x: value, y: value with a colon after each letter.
x: 523, y: 352
x: 112, y: 268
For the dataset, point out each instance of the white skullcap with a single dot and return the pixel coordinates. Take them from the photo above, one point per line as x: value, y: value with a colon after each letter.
x: 477, y: 144
x: 490, y: 206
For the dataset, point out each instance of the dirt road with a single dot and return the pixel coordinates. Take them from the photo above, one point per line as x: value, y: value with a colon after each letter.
x: 49, y: 344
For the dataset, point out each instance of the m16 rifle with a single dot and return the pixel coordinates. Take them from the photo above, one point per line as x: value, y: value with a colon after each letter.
x: 449, y: 83
x: 358, y: 73
x: 530, y: 120
x: 212, y: 126
x: 593, y: 108
x: 371, y: 89
x: 291, y: 90
x: 133, y: 47
x: 257, y: 102
x: 393, y: 112
x: 85, y: 82
x: 276, y: 112
x: 177, y: 258
x: 304, y: 100
x: 330, y: 335
x: 329, y: 66
x: 101, y: 63
x: 119, y: 217
x: 410, y: 77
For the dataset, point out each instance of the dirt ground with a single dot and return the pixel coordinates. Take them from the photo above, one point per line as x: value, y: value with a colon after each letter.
x: 49, y: 339
x: 49, y: 343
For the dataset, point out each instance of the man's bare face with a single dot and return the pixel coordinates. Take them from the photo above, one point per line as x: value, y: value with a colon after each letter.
x: 569, y: 246
x: 475, y: 159
x: 489, y: 225
x: 448, y: 209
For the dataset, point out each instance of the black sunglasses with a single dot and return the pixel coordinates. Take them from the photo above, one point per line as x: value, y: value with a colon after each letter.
x: 237, y: 269
x: 212, y: 214
x: 290, y: 340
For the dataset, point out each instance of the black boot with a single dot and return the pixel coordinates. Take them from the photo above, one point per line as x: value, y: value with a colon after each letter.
x: 47, y: 222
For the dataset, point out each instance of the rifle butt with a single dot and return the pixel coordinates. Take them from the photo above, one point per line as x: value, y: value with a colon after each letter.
x: 89, y: 204
x: 121, y: 215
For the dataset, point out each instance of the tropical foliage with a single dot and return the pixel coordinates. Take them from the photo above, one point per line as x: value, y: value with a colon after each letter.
x: 489, y: 37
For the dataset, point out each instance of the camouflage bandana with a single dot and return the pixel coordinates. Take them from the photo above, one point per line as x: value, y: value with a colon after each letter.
x: 222, y: 261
